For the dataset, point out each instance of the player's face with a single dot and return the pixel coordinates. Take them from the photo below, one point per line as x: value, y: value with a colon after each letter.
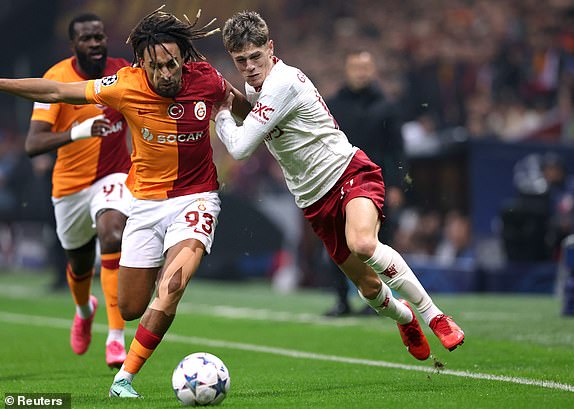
x: 254, y: 63
x: 90, y: 47
x: 164, y: 69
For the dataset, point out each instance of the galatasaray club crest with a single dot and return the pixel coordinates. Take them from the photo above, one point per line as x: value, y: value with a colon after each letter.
x: 200, y: 110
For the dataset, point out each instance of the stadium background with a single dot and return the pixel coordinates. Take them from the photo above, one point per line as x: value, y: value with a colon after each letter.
x: 495, y: 79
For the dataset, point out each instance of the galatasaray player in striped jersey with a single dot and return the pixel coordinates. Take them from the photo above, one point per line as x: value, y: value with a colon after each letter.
x: 167, y: 98
x: 340, y: 190
x: 89, y: 195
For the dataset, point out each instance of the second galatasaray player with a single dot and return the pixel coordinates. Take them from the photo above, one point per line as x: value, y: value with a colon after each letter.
x: 89, y: 196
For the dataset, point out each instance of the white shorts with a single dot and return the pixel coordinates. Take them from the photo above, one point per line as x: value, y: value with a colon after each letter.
x: 156, y: 225
x: 76, y: 213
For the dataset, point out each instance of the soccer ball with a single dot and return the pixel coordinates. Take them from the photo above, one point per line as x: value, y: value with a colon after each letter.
x: 200, y: 379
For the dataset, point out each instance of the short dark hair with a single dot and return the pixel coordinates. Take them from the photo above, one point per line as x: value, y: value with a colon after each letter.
x: 244, y: 28
x: 82, y: 18
x: 159, y: 27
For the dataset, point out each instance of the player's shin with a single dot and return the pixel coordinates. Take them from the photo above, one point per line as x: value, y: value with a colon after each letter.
x: 80, y: 286
x: 385, y: 304
x: 115, y: 346
x: 394, y: 271
x: 109, y: 280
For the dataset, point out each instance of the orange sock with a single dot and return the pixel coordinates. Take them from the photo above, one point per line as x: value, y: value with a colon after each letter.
x: 109, y: 280
x: 143, y: 345
x: 79, y: 285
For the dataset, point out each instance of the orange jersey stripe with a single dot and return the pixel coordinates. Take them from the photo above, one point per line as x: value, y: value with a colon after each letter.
x: 81, y: 163
x: 172, y: 154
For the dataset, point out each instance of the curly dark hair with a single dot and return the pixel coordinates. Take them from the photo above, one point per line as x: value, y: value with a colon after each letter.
x: 160, y: 27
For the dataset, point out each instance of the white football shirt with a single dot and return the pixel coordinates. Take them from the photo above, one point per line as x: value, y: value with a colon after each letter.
x: 291, y: 117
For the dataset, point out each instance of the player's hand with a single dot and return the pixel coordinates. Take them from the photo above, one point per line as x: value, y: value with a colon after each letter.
x: 241, y: 107
x: 222, y: 105
x: 95, y: 126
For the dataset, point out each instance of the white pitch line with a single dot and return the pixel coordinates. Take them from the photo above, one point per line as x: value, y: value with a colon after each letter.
x: 229, y: 311
x: 52, y: 322
x: 260, y: 314
x: 19, y: 292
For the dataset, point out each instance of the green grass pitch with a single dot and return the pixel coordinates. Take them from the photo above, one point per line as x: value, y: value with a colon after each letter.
x: 519, y: 351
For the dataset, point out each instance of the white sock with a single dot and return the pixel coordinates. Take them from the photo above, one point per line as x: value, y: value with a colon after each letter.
x: 123, y: 374
x: 85, y: 311
x: 115, y: 335
x: 429, y: 314
x: 385, y: 304
x: 395, y: 272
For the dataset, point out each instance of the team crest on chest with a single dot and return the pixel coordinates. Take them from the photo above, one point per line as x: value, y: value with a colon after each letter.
x: 200, y: 110
x: 175, y: 110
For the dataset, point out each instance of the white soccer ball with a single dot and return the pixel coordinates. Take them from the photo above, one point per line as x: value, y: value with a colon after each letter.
x: 200, y: 379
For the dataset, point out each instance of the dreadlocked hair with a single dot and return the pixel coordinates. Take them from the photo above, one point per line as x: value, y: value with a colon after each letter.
x: 160, y: 27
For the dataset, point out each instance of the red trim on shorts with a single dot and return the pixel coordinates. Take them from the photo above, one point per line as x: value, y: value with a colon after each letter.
x: 362, y: 178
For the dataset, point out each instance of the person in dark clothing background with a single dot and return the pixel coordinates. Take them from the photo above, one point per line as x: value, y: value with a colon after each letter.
x: 372, y: 122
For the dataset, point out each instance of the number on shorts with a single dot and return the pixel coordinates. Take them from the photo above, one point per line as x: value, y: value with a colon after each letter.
x: 193, y: 219
x: 109, y: 189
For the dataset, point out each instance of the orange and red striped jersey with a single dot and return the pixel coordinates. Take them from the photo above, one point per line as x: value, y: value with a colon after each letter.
x: 83, y: 162
x: 172, y: 154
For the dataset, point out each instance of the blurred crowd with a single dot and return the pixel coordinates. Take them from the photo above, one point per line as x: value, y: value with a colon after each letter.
x: 499, y: 69
x: 452, y: 69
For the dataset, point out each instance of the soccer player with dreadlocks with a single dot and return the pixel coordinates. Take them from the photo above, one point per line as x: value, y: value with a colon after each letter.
x: 166, y: 98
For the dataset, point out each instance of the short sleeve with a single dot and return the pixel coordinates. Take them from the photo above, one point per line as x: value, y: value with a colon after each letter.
x: 108, y: 90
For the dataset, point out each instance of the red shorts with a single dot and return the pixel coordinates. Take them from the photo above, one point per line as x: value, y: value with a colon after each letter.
x: 362, y: 178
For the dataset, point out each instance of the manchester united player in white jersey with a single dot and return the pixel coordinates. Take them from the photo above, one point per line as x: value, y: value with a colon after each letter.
x: 339, y: 189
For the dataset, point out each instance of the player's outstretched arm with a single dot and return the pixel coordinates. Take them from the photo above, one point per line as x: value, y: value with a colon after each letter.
x: 43, y: 90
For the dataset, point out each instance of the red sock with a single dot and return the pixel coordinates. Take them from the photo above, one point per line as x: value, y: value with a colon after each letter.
x: 143, y: 345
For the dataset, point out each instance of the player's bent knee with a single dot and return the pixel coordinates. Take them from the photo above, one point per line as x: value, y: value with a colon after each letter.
x: 111, y: 242
x: 173, y: 281
x: 362, y: 246
x: 130, y: 312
